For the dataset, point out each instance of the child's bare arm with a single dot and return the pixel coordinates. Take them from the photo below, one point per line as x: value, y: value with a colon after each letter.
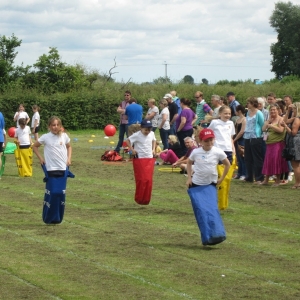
x: 35, y: 148
x: 226, y: 164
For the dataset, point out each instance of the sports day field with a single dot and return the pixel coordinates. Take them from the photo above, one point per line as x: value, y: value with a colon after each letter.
x: 109, y: 247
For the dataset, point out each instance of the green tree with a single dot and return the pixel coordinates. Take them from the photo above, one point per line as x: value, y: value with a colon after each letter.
x: 7, y: 56
x: 162, y: 80
x: 188, y: 79
x: 285, y: 19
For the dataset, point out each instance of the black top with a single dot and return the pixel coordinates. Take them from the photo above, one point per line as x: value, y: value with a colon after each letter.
x: 173, y: 109
x: 177, y: 149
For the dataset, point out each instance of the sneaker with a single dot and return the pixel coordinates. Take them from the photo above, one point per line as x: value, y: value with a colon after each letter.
x: 242, y: 177
x: 290, y: 178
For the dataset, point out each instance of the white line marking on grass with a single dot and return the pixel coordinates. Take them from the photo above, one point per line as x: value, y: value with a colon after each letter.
x: 28, y: 283
x: 110, y: 268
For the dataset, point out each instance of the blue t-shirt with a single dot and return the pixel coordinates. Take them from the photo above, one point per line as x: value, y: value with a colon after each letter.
x: 134, y: 112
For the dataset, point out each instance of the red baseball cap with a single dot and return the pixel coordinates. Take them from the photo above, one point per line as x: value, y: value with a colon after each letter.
x: 206, y: 134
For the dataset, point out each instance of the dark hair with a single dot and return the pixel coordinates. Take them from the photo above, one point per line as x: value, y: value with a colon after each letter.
x: 288, y: 96
x: 35, y: 107
x: 186, y: 101
x: 128, y: 92
x: 272, y: 95
x: 281, y: 105
x: 253, y: 101
x: 22, y: 121
x: 241, y: 108
x: 224, y: 100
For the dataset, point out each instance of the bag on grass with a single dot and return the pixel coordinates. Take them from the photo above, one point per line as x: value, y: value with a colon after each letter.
x: 143, y: 172
x: 224, y: 187
x: 3, y: 158
x: 288, y: 153
x: 55, y: 197
x: 10, y: 148
x: 24, y: 161
x: 111, y: 155
x: 204, y: 203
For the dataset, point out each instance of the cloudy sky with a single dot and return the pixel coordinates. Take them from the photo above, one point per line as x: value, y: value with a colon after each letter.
x: 208, y: 39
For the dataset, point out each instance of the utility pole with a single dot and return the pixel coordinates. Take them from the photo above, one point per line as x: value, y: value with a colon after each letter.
x: 166, y: 70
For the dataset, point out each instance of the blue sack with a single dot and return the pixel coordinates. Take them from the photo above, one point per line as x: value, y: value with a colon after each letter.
x: 55, y: 197
x: 205, y: 205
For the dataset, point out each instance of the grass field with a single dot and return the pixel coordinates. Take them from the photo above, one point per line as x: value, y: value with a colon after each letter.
x: 108, y: 247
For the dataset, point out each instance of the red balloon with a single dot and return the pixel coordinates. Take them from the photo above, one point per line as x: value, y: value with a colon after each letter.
x: 110, y: 130
x: 11, y: 131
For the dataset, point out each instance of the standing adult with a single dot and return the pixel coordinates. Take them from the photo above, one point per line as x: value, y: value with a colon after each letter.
x: 164, y: 123
x: 152, y: 114
x: 2, y: 138
x: 184, y: 122
x: 293, y: 142
x: 271, y: 99
x: 239, y: 142
x: 173, y: 109
x: 233, y: 103
x: 134, y: 114
x: 123, y: 127
x: 274, y: 163
x: 253, y: 141
x: 202, y: 108
x: 21, y: 113
x: 216, y: 103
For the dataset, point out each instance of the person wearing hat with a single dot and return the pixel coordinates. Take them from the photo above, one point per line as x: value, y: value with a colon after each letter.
x: 232, y: 104
x: 173, y: 109
x: 142, y: 143
x: 205, y: 160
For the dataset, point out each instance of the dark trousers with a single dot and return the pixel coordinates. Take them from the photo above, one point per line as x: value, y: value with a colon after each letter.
x: 181, y: 136
x: 123, y: 128
x: 254, y: 159
x: 164, y: 134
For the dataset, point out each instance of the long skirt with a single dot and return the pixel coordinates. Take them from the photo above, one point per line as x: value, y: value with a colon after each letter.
x: 274, y: 163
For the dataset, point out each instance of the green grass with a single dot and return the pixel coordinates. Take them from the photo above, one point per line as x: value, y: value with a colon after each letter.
x: 108, y: 247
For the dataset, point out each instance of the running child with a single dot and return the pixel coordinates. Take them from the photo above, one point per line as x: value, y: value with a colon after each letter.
x: 23, y: 135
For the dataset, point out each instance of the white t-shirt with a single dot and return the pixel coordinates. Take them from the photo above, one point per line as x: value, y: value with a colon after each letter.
x: 36, y: 116
x: 223, y: 133
x: 205, y: 165
x: 154, y: 120
x: 143, y: 144
x: 23, y: 135
x: 55, y: 150
x: 166, y: 125
x: 23, y: 114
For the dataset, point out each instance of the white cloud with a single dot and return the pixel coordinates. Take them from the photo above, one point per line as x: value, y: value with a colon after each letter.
x: 212, y: 39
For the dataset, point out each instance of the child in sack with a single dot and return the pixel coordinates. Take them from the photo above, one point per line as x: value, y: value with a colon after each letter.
x: 206, y: 159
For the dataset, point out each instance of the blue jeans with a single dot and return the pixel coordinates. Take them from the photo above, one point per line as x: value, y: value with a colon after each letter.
x: 172, y: 130
x: 123, y: 128
x: 164, y: 134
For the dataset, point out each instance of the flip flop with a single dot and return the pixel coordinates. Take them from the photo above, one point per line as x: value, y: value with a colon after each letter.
x: 295, y: 187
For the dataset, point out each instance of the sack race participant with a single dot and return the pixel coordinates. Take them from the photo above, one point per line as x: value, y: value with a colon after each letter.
x: 142, y: 144
x: 24, y: 162
x: 55, y: 197
x: 23, y: 153
x: 203, y: 187
x: 224, y: 187
x: 57, y: 153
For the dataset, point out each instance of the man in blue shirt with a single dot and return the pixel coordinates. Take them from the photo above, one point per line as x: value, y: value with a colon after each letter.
x: 232, y: 104
x: 134, y: 113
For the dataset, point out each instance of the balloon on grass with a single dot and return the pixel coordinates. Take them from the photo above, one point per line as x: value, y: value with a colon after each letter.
x: 110, y: 130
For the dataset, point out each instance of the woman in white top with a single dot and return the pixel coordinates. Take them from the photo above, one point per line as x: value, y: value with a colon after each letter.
x: 152, y: 114
x: 164, y: 122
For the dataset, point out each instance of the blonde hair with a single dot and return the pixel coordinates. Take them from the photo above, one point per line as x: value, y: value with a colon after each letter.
x: 173, y: 138
x: 151, y: 100
x: 163, y: 102
x: 297, y: 106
